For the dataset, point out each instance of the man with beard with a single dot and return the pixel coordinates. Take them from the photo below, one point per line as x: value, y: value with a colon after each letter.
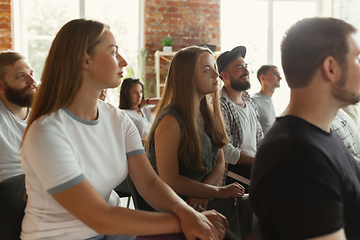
x: 17, y: 89
x: 240, y: 115
x: 269, y: 78
x: 305, y: 183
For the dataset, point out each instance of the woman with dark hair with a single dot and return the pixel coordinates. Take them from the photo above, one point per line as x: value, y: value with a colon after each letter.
x: 132, y: 101
x: 187, y: 137
x: 76, y: 149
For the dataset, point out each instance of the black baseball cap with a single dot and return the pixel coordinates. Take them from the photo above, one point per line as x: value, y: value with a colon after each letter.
x: 227, y: 57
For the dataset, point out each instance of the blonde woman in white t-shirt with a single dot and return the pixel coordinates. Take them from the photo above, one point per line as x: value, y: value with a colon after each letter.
x: 77, y: 148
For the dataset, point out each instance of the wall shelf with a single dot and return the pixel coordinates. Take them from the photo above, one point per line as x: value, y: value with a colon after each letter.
x: 166, y: 56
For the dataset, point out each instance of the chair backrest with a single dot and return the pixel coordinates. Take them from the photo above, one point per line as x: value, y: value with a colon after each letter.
x: 12, y: 205
x: 139, y: 202
x: 123, y: 189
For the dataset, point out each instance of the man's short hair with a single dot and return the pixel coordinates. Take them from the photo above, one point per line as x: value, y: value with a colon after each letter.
x: 8, y: 58
x: 308, y: 42
x: 263, y: 70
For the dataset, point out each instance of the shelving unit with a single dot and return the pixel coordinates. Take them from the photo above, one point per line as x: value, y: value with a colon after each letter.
x: 160, y: 55
x: 165, y: 56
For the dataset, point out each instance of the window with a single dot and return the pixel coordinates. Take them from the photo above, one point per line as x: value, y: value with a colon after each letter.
x: 260, y: 25
x: 36, y: 23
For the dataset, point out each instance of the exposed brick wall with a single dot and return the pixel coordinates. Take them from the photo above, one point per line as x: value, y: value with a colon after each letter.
x: 188, y: 22
x: 5, y: 25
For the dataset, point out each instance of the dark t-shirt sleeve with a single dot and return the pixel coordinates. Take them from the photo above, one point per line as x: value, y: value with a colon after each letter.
x: 308, y: 196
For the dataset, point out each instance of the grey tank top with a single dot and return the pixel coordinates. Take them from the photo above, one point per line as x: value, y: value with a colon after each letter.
x: 209, y: 152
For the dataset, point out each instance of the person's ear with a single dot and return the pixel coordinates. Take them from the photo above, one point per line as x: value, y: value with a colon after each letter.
x: 224, y: 75
x: 86, y: 63
x: 331, y: 69
x: 262, y: 77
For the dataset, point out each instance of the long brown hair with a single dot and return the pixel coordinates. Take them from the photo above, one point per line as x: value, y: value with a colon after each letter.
x: 62, y: 75
x: 125, y: 102
x: 180, y: 91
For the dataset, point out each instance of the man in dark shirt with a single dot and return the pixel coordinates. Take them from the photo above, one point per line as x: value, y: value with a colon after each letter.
x: 305, y: 184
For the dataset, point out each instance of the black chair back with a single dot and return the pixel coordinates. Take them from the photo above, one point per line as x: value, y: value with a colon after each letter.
x: 12, y: 205
x: 123, y: 191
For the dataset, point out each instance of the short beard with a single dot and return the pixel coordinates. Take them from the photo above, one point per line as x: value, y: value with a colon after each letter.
x: 19, y: 97
x: 237, y: 85
x: 343, y: 95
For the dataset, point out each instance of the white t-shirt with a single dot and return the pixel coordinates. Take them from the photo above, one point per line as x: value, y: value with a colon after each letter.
x: 11, y: 132
x: 59, y: 151
x: 144, y: 122
x: 249, y: 127
x: 266, y: 110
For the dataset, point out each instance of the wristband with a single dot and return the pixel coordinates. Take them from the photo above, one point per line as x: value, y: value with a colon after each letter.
x: 147, y: 100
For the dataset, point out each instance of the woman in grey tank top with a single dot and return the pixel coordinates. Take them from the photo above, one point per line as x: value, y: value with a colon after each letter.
x: 188, y: 134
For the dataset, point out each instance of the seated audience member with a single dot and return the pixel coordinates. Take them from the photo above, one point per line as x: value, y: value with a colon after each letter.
x: 103, y: 94
x: 269, y: 78
x: 347, y: 130
x: 187, y: 137
x: 353, y: 110
x: 17, y: 89
x: 305, y: 183
x: 240, y: 115
x: 132, y: 100
x: 76, y: 149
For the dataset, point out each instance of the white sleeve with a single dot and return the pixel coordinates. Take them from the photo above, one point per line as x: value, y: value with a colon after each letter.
x: 133, y: 144
x: 231, y: 154
x: 148, y: 114
x: 50, y: 156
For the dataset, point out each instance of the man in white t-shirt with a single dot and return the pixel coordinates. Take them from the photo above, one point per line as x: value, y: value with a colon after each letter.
x: 17, y: 89
x: 269, y: 78
x: 240, y: 115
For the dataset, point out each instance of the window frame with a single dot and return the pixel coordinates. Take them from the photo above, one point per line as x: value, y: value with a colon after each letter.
x: 19, y: 25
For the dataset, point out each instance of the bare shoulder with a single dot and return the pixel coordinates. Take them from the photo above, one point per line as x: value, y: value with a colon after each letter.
x: 168, y: 129
x: 168, y: 122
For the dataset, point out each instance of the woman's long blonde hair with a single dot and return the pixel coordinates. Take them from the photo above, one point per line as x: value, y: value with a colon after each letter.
x: 63, y: 71
x: 180, y: 91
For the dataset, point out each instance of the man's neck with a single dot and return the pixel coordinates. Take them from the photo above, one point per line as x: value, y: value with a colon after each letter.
x: 267, y: 91
x: 320, y: 114
x: 235, y: 96
x: 19, y: 112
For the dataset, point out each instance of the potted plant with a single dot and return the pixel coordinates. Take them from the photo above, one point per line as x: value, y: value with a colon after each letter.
x: 167, y: 43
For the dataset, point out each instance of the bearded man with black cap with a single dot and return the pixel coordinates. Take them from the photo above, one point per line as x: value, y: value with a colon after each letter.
x: 240, y: 115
